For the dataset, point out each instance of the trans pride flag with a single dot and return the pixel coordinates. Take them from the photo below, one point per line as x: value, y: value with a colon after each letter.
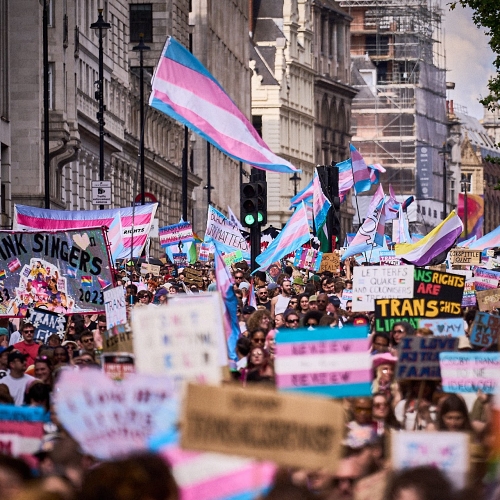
x: 118, y: 220
x: 292, y: 236
x: 360, y: 172
x: 305, y: 195
x: 185, y: 90
x: 321, y: 204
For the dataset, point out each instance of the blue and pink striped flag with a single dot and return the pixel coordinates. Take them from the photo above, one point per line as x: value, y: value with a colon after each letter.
x: 305, y: 195
x: 119, y: 222
x: 185, y: 90
x: 225, y: 281
x: 489, y: 240
x: 360, y: 172
x: 321, y: 204
x: 293, y: 236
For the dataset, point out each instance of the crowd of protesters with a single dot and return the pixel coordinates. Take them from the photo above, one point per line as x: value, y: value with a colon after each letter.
x: 283, y: 298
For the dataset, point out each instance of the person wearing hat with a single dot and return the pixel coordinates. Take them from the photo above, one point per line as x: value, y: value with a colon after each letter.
x: 244, y: 286
x: 17, y: 381
x: 298, y: 285
x: 272, y: 290
x: 161, y: 296
x: 313, y: 303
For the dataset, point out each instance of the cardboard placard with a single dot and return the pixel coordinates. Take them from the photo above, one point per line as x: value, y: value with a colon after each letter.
x: 183, y: 339
x: 487, y: 300
x: 326, y: 361
x: 447, y: 327
x: 193, y: 276
x: 465, y: 257
x: 418, y: 357
x: 46, y: 323
x: 447, y: 451
x: 118, y: 339
x: 330, y: 262
x: 150, y: 269
x: 470, y: 371
x: 292, y: 430
x: 486, y: 279
x: 380, y: 282
x: 484, y: 330
x: 116, y: 310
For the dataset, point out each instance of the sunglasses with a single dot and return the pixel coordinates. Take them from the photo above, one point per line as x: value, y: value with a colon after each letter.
x: 311, y: 324
x: 380, y: 405
x: 29, y: 331
x: 259, y: 341
x: 398, y: 331
x: 102, y: 327
x: 292, y: 320
x: 86, y: 341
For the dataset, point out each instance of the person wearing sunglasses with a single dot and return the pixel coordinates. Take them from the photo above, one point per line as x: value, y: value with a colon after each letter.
x: 291, y: 319
x: 400, y: 330
x: 28, y: 346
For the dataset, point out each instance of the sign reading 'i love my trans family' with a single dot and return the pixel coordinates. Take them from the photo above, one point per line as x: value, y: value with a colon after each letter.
x: 325, y: 361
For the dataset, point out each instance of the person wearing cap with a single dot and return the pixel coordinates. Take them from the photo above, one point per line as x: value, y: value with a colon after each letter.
x: 313, y: 303
x: 28, y: 345
x: 244, y: 286
x: 272, y: 290
x: 279, y: 304
x: 17, y: 381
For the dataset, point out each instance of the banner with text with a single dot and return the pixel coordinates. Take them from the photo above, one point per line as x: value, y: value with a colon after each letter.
x: 221, y: 229
x: 171, y: 235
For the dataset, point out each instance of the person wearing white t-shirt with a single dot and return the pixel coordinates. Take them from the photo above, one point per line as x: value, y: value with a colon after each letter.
x: 17, y: 381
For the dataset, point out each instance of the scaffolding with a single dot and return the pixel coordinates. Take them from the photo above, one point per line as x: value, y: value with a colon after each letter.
x: 398, y: 66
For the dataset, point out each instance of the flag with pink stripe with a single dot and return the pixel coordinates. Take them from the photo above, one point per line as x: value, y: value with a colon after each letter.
x: 185, y: 90
x: 470, y: 371
x: 325, y: 361
x: 360, y: 172
x: 119, y: 222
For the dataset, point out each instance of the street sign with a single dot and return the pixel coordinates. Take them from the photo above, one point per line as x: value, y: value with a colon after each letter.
x: 101, y: 192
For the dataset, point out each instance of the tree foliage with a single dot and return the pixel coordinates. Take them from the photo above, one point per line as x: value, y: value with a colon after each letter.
x: 487, y: 15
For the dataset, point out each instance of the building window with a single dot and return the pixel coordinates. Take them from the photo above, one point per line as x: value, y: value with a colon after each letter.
x: 423, y: 210
x: 435, y: 214
x: 51, y: 85
x: 141, y: 21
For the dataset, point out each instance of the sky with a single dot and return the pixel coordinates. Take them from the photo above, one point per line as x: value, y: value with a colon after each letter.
x: 468, y: 58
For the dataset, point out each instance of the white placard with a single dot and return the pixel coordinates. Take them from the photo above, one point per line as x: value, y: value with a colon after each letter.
x: 223, y: 230
x: 183, y: 339
x: 114, y: 303
x: 153, y: 231
x: 380, y: 282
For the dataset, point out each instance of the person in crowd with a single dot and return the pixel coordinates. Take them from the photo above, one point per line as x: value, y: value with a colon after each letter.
x: 144, y: 297
x: 279, y: 321
x: 259, y: 367
x: 270, y: 344
x: 333, y: 306
x: 417, y: 411
x: 38, y: 394
x: 243, y: 346
x: 313, y: 303
x: 28, y: 346
x: 303, y: 304
x: 131, y: 293
x: 322, y: 302
x: 399, y: 330
x: 260, y: 320
x: 311, y: 319
x: 384, y: 366
x: 4, y: 353
x: 54, y: 340
x: 328, y: 285
x: 61, y: 356
x: 263, y: 298
x: 383, y: 414
x: 291, y: 318
x: 424, y: 332
x: 17, y: 381
x: 298, y: 285
x: 87, y: 342
x: 257, y: 338
x: 43, y: 370
x: 280, y: 303
x: 328, y: 320
x: 88, y: 322
x: 380, y: 343
x: 246, y: 313
x: 71, y: 347
x: 244, y: 288
x: 293, y: 303
x: 452, y: 415
x: 272, y: 290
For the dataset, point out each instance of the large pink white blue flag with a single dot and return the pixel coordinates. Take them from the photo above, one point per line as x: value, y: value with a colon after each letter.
x: 292, y: 236
x: 321, y: 204
x: 185, y: 90
x: 305, y: 195
x: 119, y: 222
x: 360, y: 172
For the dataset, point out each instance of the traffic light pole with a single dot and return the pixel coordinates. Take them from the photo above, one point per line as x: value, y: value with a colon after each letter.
x: 329, y: 177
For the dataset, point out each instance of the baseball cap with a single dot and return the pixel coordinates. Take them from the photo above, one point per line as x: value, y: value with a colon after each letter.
x: 15, y: 354
x: 334, y: 300
x: 272, y: 286
x: 248, y: 310
x: 244, y: 284
x: 8, y: 349
x: 313, y: 298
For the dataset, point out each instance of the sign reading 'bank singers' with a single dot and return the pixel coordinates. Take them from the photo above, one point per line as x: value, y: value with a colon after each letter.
x: 382, y: 282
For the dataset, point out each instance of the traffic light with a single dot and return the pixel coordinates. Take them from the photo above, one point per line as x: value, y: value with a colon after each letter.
x: 253, y: 203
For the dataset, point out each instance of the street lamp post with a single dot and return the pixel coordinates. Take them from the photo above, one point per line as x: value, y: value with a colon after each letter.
x: 141, y: 48
x: 46, y: 138
x: 465, y: 184
x: 444, y: 151
x: 295, y: 179
x: 100, y: 27
x: 209, y: 186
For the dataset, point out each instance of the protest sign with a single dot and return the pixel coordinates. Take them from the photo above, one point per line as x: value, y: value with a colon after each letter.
x: 62, y: 272
x: 436, y: 295
x: 484, y: 329
x: 193, y: 276
x: 285, y: 434
x: 114, y: 303
x: 470, y: 371
x: 469, y: 296
x: 446, y: 451
x: 486, y: 279
x: 465, y: 257
x: 180, y: 259
x: 183, y: 339
x: 117, y: 366
x: 346, y: 297
x: 97, y: 411
x: 172, y: 235
x: 330, y: 262
x: 388, y: 258
x: 232, y: 257
x: 309, y: 258
x: 447, y: 327
x: 325, y: 361
x: 418, y: 357
x: 21, y: 430
x: 46, y: 323
x: 487, y: 300
x: 118, y: 339
x: 204, y: 252
x: 150, y: 269
x: 221, y: 229
x: 377, y: 282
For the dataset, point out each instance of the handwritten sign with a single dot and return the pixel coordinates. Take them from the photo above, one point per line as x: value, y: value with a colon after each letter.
x: 447, y: 327
x: 330, y: 262
x: 47, y: 323
x: 204, y: 252
x: 193, y: 276
x: 469, y: 296
x: 418, y: 357
x: 470, y: 371
x: 285, y: 434
x: 117, y: 366
x: 118, y: 339
x: 388, y: 258
x: 97, y: 411
x: 114, y: 303
x: 484, y: 329
x: 487, y: 300
x: 486, y: 279
x: 172, y: 235
x: 150, y: 269
x: 232, y: 257
x: 465, y: 257
x: 380, y: 282
x: 447, y: 451
x: 326, y: 361
x: 182, y: 339
x: 309, y: 258
x: 221, y: 229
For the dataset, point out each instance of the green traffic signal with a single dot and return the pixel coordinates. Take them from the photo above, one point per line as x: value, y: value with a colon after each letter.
x: 260, y: 217
x: 249, y: 220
